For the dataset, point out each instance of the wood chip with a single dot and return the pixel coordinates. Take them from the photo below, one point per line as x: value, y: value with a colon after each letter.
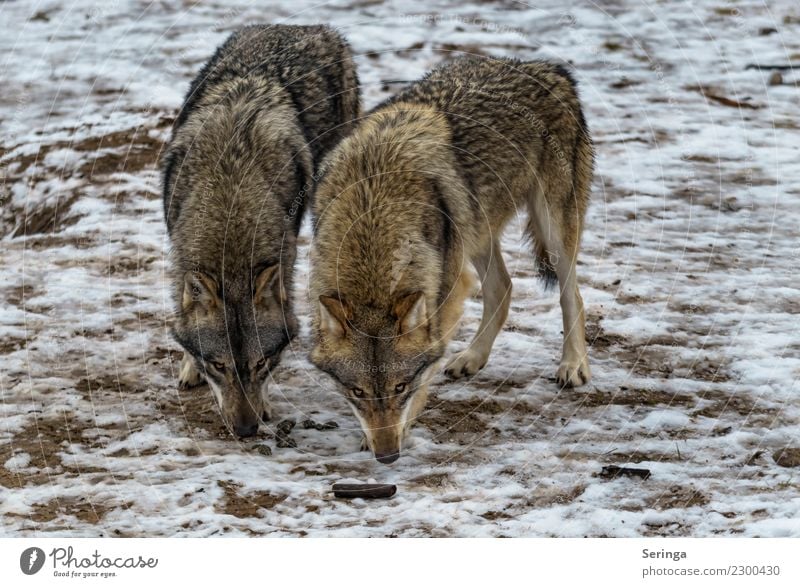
x: 363, y: 490
x: 612, y: 472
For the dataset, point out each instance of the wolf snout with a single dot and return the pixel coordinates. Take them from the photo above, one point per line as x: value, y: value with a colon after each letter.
x: 387, y: 458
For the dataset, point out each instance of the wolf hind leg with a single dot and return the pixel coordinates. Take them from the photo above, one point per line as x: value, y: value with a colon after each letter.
x: 557, y: 252
x: 496, y: 289
x: 189, y: 376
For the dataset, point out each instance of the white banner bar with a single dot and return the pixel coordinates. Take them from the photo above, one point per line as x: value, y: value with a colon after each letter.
x: 400, y: 562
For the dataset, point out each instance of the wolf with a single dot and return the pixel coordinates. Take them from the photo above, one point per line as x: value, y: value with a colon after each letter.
x: 237, y: 174
x: 420, y: 191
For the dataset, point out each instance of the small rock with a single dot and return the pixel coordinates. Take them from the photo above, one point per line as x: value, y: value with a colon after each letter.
x: 776, y: 78
x: 285, y: 426
x: 764, y: 31
x: 286, y: 442
x: 751, y: 461
x: 263, y: 449
x: 309, y: 424
x: 787, y: 457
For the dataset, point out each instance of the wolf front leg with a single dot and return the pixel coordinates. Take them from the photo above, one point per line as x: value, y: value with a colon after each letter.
x: 496, y: 289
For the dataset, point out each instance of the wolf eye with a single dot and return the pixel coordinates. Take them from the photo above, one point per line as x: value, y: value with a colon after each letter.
x: 400, y: 388
x: 218, y: 366
x: 358, y: 392
x: 261, y: 363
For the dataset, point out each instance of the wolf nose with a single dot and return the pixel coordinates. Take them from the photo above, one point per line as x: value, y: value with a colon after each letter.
x: 387, y: 458
x: 246, y: 430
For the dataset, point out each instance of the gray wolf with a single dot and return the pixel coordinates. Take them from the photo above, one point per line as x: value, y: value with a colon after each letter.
x: 237, y: 174
x: 419, y: 191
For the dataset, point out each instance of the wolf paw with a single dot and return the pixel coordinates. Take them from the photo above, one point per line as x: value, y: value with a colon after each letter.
x: 465, y: 364
x: 573, y: 373
x: 189, y: 376
x: 364, y: 443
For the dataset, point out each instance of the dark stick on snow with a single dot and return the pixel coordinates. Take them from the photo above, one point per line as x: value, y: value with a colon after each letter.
x: 759, y: 66
x: 363, y: 490
x: 612, y: 472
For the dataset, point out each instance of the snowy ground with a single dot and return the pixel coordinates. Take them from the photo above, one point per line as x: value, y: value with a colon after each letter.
x: 688, y: 271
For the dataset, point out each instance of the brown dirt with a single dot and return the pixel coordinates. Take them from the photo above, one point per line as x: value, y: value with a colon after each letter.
x: 724, y: 402
x: 545, y: 497
x: 596, y: 337
x: 49, y: 217
x: 138, y: 151
x: 432, y: 480
x: 634, y: 397
x: 461, y: 421
x: 787, y: 457
x: 42, y: 439
x: 495, y: 515
x: 81, y: 508
x: 18, y: 294
x: 245, y: 506
x: 677, y: 497
x: 11, y: 344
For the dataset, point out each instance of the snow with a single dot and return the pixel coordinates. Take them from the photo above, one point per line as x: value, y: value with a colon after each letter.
x: 688, y: 272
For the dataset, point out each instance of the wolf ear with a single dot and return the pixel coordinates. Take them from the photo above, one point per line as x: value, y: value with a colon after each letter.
x: 268, y: 286
x: 334, y: 314
x: 410, y: 311
x: 199, y: 288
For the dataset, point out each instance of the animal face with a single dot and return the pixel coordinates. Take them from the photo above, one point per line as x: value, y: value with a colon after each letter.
x: 235, y: 343
x: 380, y: 361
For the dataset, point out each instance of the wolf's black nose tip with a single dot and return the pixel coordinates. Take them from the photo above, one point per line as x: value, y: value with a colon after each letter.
x: 387, y: 458
x: 246, y: 430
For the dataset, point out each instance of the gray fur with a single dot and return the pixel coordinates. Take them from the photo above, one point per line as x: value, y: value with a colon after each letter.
x: 264, y: 110
x: 444, y: 166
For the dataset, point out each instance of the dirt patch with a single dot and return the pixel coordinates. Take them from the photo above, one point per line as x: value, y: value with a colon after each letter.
x: 82, y: 508
x: 42, y: 439
x: 597, y: 338
x: 433, y: 480
x: 45, y: 439
x: 545, y: 497
x: 647, y: 361
x: 93, y: 385
x: 494, y: 515
x: 11, y: 344
x: 787, y: 457
x: 707, y: 370
x: 634, y: 397
x: 462, y: 420
x: 18, y: 294
x: 40, y: 242
x: 642, y: 457
x: 130, y: 266
x: 195, y: 409
x: 135, y: 150
x: 245, y: 506
x: 723, y: 402
x: 677, y: 497
x: 48, y: 217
